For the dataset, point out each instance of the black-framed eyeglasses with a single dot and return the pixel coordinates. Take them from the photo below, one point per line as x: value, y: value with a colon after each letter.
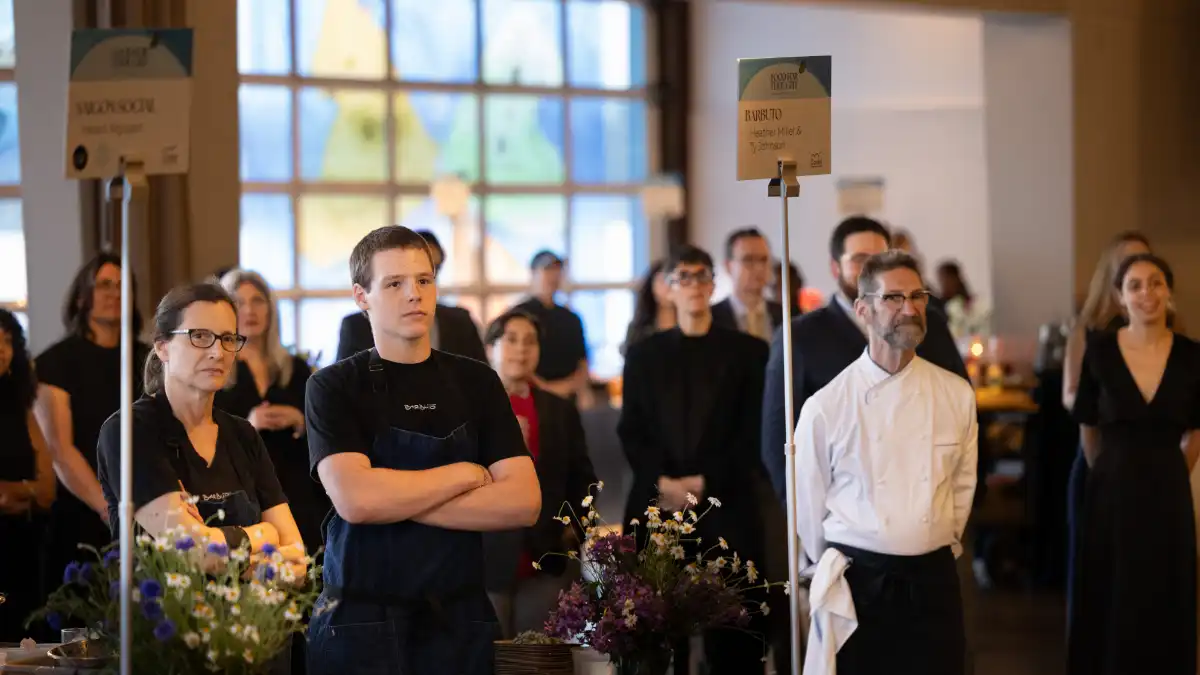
x: 202, y: 338
x: 689, y: 278
x: 895, y: 301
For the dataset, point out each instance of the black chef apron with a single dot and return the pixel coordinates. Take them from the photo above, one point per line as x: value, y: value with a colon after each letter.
x: 410, y: 598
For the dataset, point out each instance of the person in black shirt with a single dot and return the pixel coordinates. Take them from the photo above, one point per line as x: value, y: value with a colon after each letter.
x: 184, y: 448
x: 266, y: 387
x: 689, y: 425
x: 26, y: 483
x: 453, y: 329
x: 80, y: 386
x: 420, y: 452
x: 563, y: 367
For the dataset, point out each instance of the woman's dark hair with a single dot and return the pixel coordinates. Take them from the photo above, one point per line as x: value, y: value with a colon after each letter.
x: 954, y: 270
x: 496, y: 328
x: 645, y: 306
x: 1123, y: 269
x: 77, y: 308
x: 22, y: 379
x: 167, y: 318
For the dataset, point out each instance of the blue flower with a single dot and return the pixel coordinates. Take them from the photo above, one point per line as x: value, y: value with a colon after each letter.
x: 164, y: 630
x: 54, y: 620
x: 268, y: 549
x: 71, y: 573
x: 114, y: 590
x: 218, y: 549
x: 85, y: 574
x: 150, y: 588
x: 112, y: 557
x: 185, y: 543
x: 151, y: 609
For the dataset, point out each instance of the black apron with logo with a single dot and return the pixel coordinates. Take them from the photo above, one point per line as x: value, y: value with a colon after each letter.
x: 411, y: 598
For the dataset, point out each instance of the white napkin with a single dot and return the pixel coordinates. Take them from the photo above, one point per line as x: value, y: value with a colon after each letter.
x: 832, y: 610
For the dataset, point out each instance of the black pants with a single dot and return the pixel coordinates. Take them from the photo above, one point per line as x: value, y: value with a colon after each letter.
x: 910, y: 617
x: 21, y: 580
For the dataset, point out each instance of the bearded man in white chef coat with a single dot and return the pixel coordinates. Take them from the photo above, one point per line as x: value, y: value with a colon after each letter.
x: 885, y: 469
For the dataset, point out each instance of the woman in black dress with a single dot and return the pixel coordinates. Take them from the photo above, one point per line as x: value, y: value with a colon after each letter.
x: 79, y: 387
x: 653, y: 310
x: 1138, y: 402
x: 267, y: 388
x: 26, y: 484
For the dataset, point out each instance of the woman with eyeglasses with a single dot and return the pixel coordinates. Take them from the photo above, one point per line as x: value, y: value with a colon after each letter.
x: 183, y: 448
x: 266, y: 387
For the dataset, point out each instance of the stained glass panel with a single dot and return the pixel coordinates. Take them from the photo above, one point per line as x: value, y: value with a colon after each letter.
x: 265, y: 138
x: 608, y: 140
x: 606, y: 44
x: 267, y: 238
x: 517, y: 226
x: 522, y: 43
x: 606, y: 316
x: 460, y: 240
x: 264, y: 40
x: 329, y: 227
x: 434, y: 41
x: 342, y: 135
x: 341, y: 38
x: 524, y: 136
x: 613, y: 224
x: 437, y: 134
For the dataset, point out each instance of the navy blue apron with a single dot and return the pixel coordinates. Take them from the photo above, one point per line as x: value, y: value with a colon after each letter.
x: 410, y: 597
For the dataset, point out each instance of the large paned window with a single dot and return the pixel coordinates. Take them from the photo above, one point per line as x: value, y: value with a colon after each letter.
x: 351, y: 109
x: 13, y: 280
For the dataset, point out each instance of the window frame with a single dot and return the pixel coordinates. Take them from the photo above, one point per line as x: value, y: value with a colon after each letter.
x: 13, y: 191
x: 392, y: 188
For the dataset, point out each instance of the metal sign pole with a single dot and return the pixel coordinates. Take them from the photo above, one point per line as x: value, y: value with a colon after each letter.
x: 129, y: 190
x: 784, y: 186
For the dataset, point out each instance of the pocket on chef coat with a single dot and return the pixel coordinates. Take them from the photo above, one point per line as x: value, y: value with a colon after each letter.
x: 944, y: 457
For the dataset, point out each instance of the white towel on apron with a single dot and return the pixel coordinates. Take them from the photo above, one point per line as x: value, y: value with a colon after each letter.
x: 834, y: 619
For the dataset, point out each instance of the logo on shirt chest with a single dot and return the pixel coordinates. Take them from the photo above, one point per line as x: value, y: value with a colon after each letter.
x: 420, y: 406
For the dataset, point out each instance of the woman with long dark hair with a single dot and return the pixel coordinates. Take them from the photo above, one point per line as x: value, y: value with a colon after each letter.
x: 26, y: 484
x: 80, y: 386
x: 1138, y: 406
x: 652, y: 310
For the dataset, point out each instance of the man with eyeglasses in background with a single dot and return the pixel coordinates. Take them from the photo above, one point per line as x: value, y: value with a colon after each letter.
x: 689, y: 425
x: 748, y: 262
x: 885, y: 477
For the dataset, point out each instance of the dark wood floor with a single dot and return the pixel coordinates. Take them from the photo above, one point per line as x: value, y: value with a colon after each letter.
x: 1019, y: 633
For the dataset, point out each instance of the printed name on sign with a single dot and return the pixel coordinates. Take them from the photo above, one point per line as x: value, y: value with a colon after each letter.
x: 783, y: 113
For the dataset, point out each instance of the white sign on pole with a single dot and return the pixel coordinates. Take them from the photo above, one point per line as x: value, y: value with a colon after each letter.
x: 130, y: 96
x: 784, y: 114
x: 860, y: 196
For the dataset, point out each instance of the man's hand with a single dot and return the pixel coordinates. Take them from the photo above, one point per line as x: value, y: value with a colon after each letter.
x: 694, y: 486
x: 672, y: 494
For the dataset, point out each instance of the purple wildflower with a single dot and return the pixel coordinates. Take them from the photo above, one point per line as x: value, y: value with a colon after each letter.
x: 86, y: 574
x: 151, y: 609
x: 185, y: 543
x: 55, y: 621
x: 150, y: 588
x: 114, y: 590
x: 111, y: 557
x: 268, y: 549
x: 218, y: 549
x: 71, y: 573
x: 164, y: 630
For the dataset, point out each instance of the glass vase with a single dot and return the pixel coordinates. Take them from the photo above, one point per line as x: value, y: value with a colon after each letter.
x: 647, y: 663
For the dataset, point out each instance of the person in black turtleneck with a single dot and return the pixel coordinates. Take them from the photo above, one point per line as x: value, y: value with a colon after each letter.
x: 26, y: 484
x: 79, y: 387
x: 690, y: 424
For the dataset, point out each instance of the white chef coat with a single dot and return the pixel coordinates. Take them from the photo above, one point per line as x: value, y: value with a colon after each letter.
x: 886, y: 462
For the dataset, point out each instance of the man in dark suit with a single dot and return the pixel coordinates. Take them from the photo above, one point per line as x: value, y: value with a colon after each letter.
x: 748, y: 262
x: 690, y: 424
x: 454, y: 330
x: 827, y: 340
x: 524, y: 597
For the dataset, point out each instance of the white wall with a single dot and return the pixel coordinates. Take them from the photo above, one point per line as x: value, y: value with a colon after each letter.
x: 907, y: 105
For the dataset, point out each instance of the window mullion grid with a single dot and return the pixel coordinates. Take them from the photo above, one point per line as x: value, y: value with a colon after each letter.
x: 294, y: 185
x: 481, y: 281
x: 390, y: 130
x: 568, y: 164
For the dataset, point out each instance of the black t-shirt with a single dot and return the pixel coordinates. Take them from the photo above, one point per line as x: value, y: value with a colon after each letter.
x: 17, y: 458
x: 164, y: 461
x: 91, y: 376
x: 433, y: 398
x: 563, y: 343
